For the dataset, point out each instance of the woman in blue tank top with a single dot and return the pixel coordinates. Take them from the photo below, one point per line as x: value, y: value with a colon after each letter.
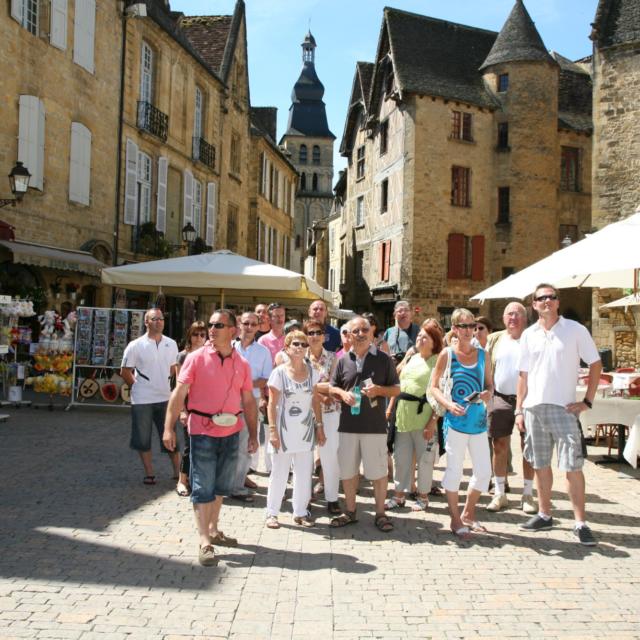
x: 465, y: 422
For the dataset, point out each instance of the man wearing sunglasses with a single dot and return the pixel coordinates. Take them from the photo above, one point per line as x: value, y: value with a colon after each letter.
x: 220, y: 387
x: 363, y: 433
x: 147, y: 366
x: 259, y: 360
x: 550, y: 353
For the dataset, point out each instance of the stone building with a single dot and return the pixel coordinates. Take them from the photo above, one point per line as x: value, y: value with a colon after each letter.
x: 185, y: 138
x: 59, y: 90
x: 273, y: 187
x: 616, y: 153
x: 310, y: 143
x: 463, y: 146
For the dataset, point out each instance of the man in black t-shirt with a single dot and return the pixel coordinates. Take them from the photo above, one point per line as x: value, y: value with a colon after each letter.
x: 363, y: 436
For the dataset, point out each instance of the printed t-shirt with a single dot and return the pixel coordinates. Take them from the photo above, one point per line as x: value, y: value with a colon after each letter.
x: 215, y: 386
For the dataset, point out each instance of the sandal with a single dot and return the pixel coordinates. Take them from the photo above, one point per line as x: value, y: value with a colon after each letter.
x: 183, y: 490
x: 207, y: 556
x: 383, y: 524
x: 345, y: 518
x: 272, y: 522
x: 223, y: 541
x: 149, y: 480
x: 304, y: 521
x: 394, y: 503
x: 421, y: 504
x: 318, y: 489
x: 475, y: 526
x: 462, y: 532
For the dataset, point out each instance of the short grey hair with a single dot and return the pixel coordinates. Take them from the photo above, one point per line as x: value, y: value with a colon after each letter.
x: 401, y: 303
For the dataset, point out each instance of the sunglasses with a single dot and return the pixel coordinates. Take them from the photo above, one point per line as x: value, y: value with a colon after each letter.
x: 315, y: 333
x: 297, y: 343
x: 471, y: 325
x: 551, y: 296
x: 199, y: 334
x: 249, y: 324
x: 218, y: 325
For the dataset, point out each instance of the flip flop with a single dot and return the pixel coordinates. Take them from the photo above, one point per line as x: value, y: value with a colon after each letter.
x: 149, y: 480
x: 462, y: 532
x: 475, y: 526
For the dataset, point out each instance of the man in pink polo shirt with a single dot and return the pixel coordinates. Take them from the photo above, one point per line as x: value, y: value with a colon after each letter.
x: 274, y: 340
x: 219, y: 385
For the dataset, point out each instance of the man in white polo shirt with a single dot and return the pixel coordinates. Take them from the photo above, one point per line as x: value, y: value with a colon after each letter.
x: 550, y: 353
x: 147, y: 365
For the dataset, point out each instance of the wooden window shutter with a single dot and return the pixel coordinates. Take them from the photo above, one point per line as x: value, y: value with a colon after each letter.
x: 131, y: 183
x: 80, y: 164
x: 477, y: 258
x: 212, y: 208
x: 386, y: 268
x: 58, y: 35
x: 17, y: 8
x: 455, y: 259
x: 187, y: 214
x: 161, y: 200
x: 84, y: 32
x: 31, y: 138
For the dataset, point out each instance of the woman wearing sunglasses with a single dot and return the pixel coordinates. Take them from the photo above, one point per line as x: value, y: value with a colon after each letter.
x: 295, y: 424
x: 465, y: 421
x: 323, y: 363
x: 195, y: 338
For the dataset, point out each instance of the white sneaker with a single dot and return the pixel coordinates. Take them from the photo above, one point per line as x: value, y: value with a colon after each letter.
x: 498, y: 503
x: 528, y: 505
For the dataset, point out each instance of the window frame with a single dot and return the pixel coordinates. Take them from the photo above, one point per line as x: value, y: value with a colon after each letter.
x: 502, y: 82
x: 504, y: 205
x: 198, y: 111
x: 359, y: 222
x: 360, y: 162
x: 144, y: 180
x: 460, y: 186
x: 384, y: 196
x: 315, y: 155
x: 384, y: 136
x: 146, y: 72
x: 303, y: 154
x: 570, y: 169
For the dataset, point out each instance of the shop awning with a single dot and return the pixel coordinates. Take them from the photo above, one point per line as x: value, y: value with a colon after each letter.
x: 52, y: 257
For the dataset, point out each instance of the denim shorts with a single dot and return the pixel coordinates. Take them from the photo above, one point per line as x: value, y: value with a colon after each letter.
x: 143, y: 417
x: 213, y: 467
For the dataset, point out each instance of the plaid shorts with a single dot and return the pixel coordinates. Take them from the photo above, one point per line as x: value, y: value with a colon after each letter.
x: 548, y: 425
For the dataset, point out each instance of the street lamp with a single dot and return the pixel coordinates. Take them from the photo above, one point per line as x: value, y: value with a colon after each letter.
x: 189, y: 236
x: 19, y: 181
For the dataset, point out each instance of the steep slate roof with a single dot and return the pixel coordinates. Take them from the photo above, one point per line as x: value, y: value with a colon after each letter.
x: 574, y: 96
x: 616, y: 22
x: 437, y: 58
x: 358, y: 102
x: 209, y: 35
x: 518, y: 40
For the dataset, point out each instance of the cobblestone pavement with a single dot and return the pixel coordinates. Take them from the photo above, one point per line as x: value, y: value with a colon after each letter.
x: 87, y: 551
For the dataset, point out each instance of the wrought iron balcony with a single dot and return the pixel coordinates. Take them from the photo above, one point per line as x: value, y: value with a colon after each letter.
x: 153, y: 120
x: 204, y: 152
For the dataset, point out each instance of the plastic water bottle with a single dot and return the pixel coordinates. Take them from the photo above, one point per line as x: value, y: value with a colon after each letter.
x: 355, y: 409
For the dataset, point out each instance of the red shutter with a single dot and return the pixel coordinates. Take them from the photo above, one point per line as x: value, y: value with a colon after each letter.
x: 455, y: 267
x: 477, y: 258
x: 381, y: 261
x: 386, y: 267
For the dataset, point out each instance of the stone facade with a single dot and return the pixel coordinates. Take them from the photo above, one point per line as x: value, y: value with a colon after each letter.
x: 413, y: 231
x: 616, y: 188
x: 76, y: 85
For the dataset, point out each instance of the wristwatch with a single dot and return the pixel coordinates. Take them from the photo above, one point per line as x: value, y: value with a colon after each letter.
x: 587, y: 402
x: 518, y: 412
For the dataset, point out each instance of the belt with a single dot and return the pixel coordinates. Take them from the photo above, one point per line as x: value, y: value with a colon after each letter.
x: 411, y: 398
x: 504, y: 396
x: 207, y: 415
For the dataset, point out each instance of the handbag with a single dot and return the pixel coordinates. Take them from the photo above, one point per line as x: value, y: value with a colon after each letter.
x: 445, y: 385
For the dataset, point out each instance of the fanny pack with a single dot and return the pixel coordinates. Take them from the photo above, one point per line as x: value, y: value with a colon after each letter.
x: 221, y: 419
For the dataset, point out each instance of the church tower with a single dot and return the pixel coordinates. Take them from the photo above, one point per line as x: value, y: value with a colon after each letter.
x: 310, y: 143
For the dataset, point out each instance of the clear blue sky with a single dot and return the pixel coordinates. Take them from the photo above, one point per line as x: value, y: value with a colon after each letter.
x: 347, y: 31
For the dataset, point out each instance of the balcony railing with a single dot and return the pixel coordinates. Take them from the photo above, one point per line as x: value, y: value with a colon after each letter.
x: 204, y: 152
x: 153, y: 120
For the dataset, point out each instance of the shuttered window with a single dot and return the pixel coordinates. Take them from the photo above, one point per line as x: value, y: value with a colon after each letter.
x: 144, y: 187
x: 465, y: 258
x: 26, y: 13
x: 197, y: 206
x: 84, y: 27
x: 58, y: 29
x: 31, y: 138
x: 385, y: 261
x: 212, y: 208
x: 80, y: 164
x: 461, y: 186
x: 188, y: 197
x: 161, y: 201
x: 131, y: 184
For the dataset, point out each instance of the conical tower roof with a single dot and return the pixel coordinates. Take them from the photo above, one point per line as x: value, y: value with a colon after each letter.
x: 518, y: 41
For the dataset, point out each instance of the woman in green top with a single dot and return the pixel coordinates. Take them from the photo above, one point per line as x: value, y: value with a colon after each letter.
x: 415, y: 422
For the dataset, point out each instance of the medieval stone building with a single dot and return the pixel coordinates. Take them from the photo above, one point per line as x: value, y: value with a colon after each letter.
x: 616, y: 153
x: 310, y: 143
x: 469, y: 158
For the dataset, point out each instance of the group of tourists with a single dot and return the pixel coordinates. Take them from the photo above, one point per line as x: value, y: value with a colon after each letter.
x: 347, y: 402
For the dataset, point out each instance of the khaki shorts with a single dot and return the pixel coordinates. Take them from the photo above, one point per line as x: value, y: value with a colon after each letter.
x: 368, y: 448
